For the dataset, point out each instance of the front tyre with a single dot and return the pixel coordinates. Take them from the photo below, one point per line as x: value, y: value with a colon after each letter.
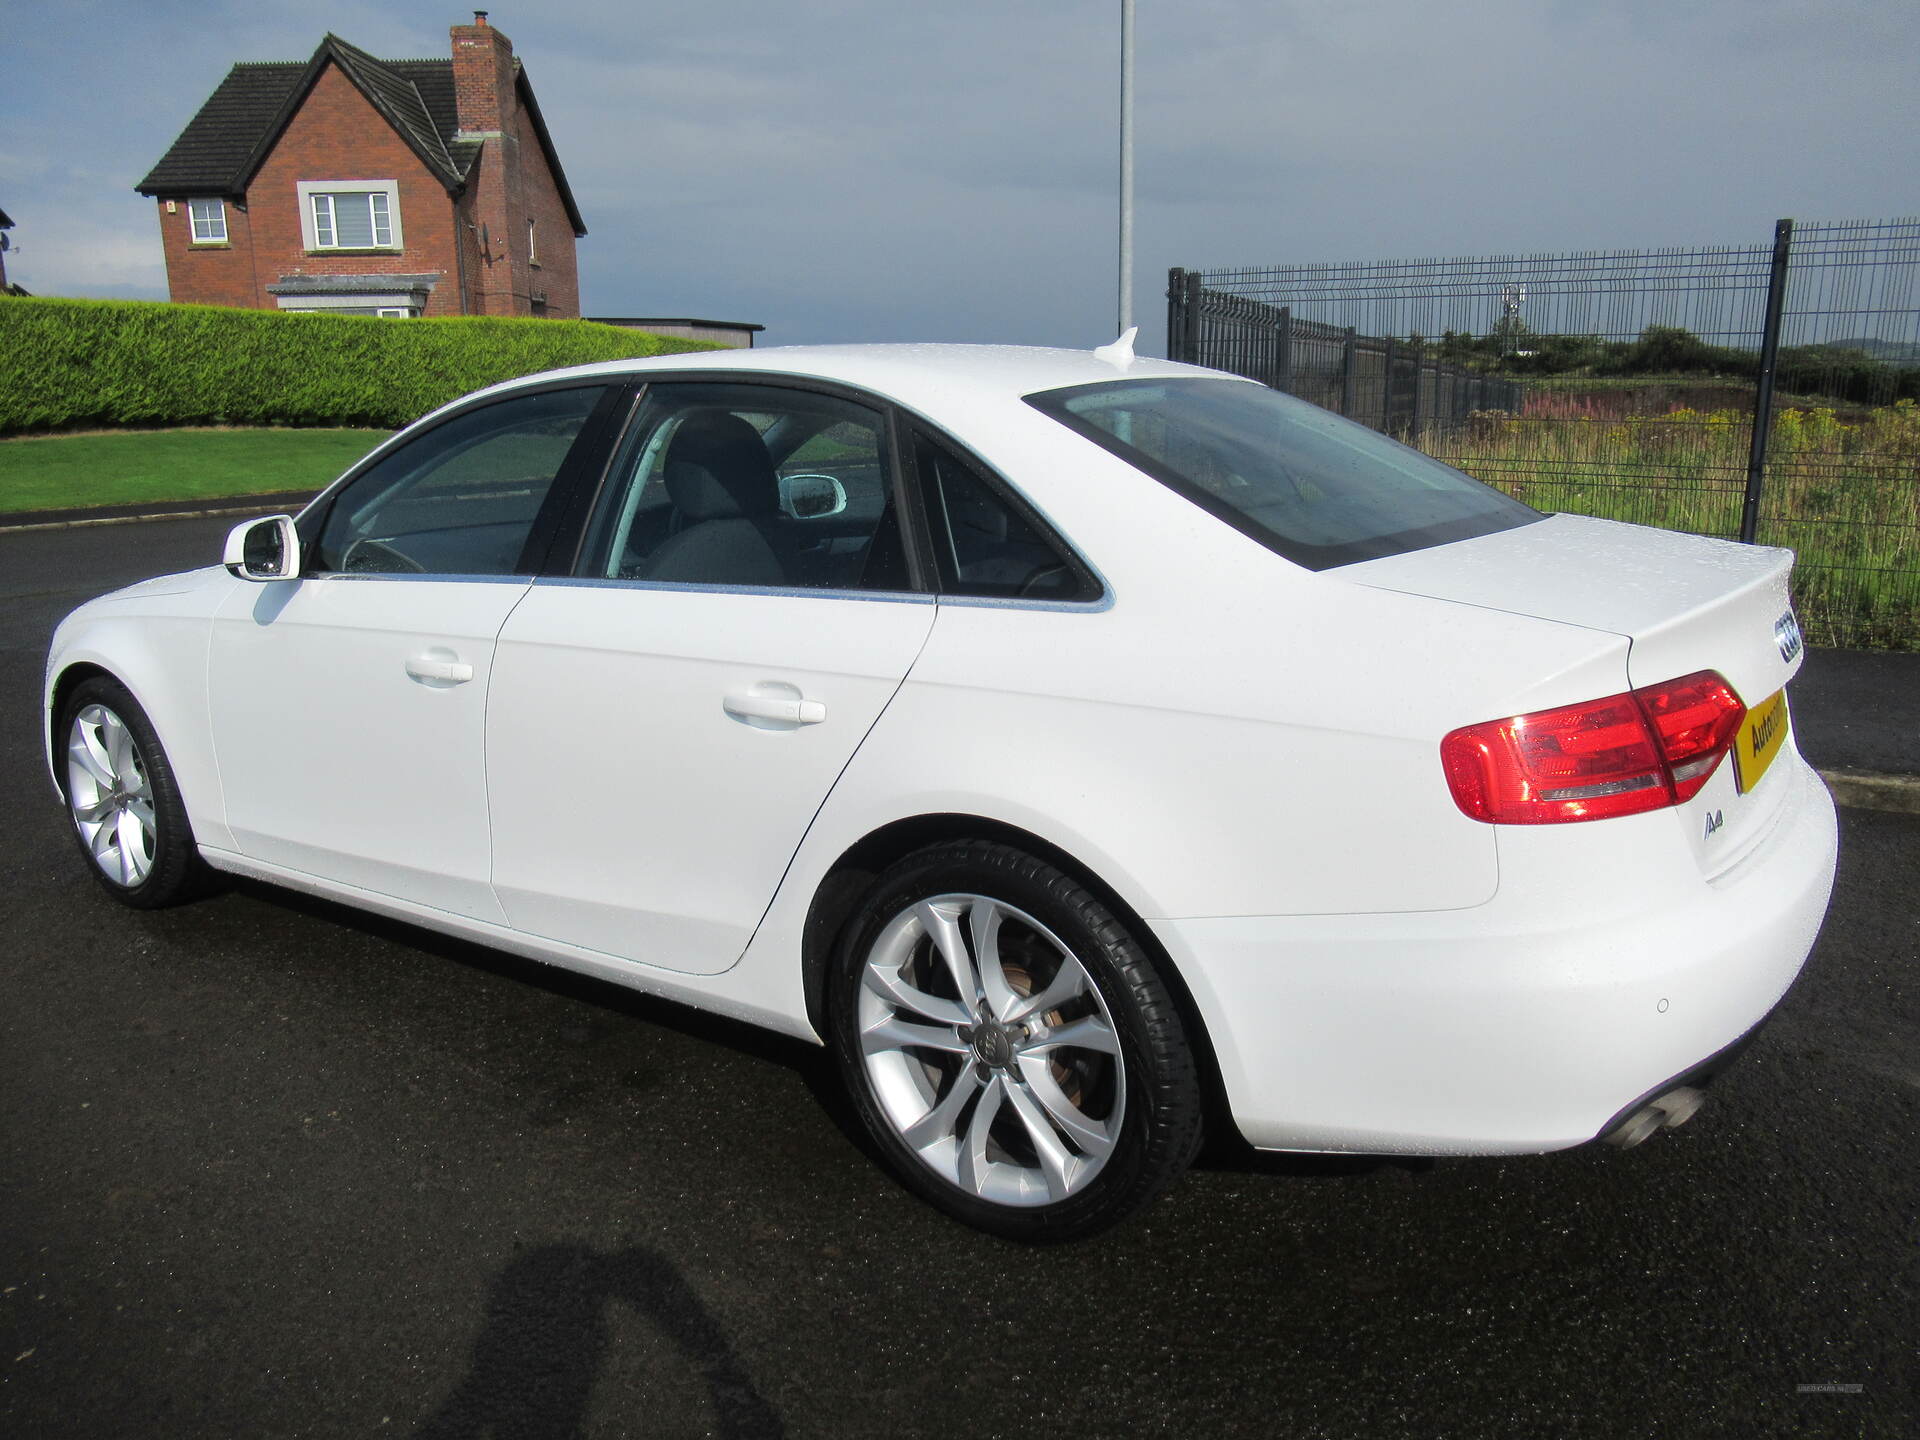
x: 123, y: 800
x: 1009, y: 1045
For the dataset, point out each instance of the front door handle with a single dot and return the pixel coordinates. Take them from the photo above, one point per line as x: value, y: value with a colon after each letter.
x: 780, y: 709
x: 436, y: 665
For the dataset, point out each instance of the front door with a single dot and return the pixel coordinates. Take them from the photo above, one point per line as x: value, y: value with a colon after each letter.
x: 349, y: 706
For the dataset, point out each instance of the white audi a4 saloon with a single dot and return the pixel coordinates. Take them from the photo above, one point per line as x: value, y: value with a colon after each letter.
x: 1088, y: 749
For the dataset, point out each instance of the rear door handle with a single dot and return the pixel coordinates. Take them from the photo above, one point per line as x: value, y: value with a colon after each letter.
x: 781, y: 709
x: 433, y: 667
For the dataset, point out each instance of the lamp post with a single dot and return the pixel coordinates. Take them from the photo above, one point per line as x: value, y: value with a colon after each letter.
x: 1126, y: 165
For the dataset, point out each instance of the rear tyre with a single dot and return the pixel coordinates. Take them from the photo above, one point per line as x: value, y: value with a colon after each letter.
x: 1009, y: 1045
x: 123, y: 800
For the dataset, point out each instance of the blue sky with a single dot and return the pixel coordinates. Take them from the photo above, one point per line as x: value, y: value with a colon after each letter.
x: 892, y: 170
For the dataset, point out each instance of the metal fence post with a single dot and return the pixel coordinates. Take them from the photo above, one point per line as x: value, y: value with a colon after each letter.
x: 1347, y: 362
x: 1763, y: 390
x: 1413, y: 420
x: 1283, y: 367
x: 1194, y: 295
x: 1386, y: 387
x: 1176, y: 292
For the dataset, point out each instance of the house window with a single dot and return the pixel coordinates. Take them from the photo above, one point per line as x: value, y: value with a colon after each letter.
x: 209, y: 220
x: 352, y: 222
x: 533, y: 255
x: 350, y: 214
x: 395, y: 312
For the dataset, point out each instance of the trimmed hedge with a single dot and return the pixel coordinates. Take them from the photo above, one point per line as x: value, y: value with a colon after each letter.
x: 100, y: 364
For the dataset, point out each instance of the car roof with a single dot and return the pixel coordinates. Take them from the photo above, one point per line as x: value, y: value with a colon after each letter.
x: 916, y: 375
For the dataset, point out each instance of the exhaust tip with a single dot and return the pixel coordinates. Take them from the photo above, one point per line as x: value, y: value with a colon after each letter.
x: 1676, y: 1107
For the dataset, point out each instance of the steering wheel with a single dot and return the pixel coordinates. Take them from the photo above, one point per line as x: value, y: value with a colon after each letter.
x: 377, y: 557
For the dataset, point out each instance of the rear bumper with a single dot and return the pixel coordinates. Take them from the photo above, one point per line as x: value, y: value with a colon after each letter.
x: 1524, y: 1025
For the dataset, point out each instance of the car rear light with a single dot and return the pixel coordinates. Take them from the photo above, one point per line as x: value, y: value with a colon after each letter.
x: 1644, y: 750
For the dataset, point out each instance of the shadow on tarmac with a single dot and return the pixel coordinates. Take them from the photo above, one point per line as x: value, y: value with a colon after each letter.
x: 546, y: 1340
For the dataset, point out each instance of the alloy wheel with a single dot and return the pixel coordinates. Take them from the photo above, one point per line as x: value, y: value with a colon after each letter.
x: 109, y: 796
x: 990, y: 1050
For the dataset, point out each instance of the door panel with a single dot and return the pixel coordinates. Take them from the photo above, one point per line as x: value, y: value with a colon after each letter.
x: 655, y: 754
x: 349, y: 745
x: 349, y: 706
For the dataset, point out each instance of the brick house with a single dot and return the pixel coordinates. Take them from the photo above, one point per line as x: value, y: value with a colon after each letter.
x: 372, y: 187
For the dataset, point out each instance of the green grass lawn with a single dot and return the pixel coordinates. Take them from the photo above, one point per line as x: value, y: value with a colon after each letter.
x: 134, y: 467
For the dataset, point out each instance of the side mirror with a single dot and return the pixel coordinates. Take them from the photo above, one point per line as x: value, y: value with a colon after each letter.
x: 812, y: 497
x: 263, y: 550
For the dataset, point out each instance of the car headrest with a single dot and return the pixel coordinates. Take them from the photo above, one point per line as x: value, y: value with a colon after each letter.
x: 718, y: 468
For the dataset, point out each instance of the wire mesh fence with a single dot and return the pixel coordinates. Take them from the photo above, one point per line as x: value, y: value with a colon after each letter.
x: 1392, y: 384
x: 1626, y: 384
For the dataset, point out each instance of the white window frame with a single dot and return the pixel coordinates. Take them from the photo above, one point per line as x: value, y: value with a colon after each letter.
x: 316, y: 220
x: 215, y: 222
x: 394, y: 312
x: 533, y: 254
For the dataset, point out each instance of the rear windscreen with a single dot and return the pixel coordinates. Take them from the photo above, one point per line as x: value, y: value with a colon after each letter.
x: 1310, y: 486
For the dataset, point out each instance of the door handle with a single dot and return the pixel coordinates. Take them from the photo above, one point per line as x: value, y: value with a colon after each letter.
x: 432, y: 667
x: 781, y: 709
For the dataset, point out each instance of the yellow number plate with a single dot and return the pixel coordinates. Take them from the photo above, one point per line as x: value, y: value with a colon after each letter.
x: 1761, y: 735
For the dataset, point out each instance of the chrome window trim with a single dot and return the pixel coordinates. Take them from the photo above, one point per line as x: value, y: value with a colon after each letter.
x: 420, y: 577
x: 788, y: 592
x: 1100, y: 603
x: 799, y: 592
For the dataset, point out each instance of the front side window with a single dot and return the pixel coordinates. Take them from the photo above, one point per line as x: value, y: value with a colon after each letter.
x: 462, y: 499
x: 749, y: 485
x: 350, y: 214
x: 1319, y: 490
x: 209, y: 221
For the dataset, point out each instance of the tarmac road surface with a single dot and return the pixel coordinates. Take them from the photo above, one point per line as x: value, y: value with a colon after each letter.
x: 270, y: 1167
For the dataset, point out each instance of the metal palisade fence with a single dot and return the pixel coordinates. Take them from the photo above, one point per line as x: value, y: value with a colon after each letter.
x: 1626, y: 383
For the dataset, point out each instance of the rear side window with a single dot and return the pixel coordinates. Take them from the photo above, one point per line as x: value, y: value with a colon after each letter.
x: 750, y: 486
x: 1319, y: 490
x: 983, y: 544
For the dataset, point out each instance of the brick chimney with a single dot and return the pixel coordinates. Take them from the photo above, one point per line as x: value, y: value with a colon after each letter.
x: 482, y: 77
x: 494, y: 275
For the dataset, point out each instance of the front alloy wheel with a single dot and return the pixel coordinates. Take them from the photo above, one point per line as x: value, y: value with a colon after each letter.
x: 108, y: 795
x: 123, y: 800
x: 1009, y: 1045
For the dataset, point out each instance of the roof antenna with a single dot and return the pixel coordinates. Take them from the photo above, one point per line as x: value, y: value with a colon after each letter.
x: 1120, y: 352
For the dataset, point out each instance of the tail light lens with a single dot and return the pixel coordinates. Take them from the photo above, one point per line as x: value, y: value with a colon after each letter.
x: 1644, y: 750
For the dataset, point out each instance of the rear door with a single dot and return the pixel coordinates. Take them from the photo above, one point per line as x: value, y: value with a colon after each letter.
x: 665, y: 721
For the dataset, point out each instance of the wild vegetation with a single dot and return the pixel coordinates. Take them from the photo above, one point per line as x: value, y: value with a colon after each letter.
x: 1843, y: 492
x: 87, y: 364
x: 1857, y: 371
